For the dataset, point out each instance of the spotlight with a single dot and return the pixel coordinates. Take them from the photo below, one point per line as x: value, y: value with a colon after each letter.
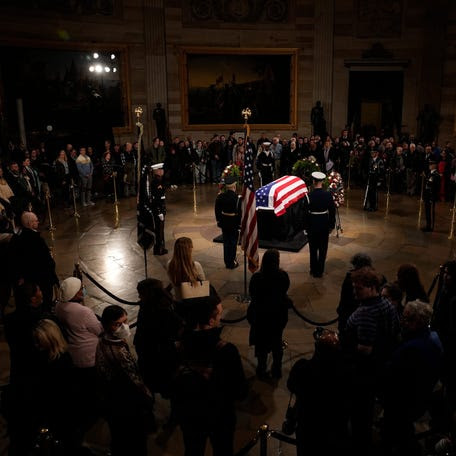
x: 113, y: 56
x: 98, y: 68
x: 96, y: 55
x: 107, y: 69
x: 91, y: 68
x: 114, y: 70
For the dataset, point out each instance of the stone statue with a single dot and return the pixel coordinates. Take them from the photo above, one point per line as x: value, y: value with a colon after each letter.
x: 428, y: 124
x: 317, y: 119
x: 159, y: 116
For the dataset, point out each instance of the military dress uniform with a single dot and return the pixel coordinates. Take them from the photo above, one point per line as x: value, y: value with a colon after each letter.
x: 376, y: 171
x: 228, y: 216
x: 320, y: 220
x: 158, y: 204
x: 430, y: 197
x: 265, y: 166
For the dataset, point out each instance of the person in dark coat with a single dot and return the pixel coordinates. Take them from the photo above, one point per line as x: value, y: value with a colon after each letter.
x: 212, y: 368
x: 431, y: 195
x: 347, y: 302
x: 444, y: 322
x: 158, y: 328
x: 320, y: 385
x: 268, y: 313
x: 411, y: 377
x: 125, y: 397
x: 228, y: 216
x: 31, y: 258
x: 320, y: 220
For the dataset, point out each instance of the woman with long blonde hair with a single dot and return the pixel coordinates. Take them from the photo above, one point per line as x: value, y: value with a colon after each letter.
x: 182, y: 268
x: 49, y: 339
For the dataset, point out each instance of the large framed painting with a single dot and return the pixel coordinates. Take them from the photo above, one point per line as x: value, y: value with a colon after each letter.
x: 72, y: 87
x: 218, y: 83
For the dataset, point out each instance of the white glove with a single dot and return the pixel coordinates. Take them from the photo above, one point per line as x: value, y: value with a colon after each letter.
x: 161, y: 217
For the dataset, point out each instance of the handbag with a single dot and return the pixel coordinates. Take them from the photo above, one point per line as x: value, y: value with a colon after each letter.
x: 198, y: 290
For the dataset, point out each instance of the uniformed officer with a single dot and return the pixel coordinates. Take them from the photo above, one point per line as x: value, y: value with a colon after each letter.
x: 431, y: 195
x: 320, y: 220
x: 376, y: 170
x: 265, y: 164
x: 228, y: 216
x: 158, y: 205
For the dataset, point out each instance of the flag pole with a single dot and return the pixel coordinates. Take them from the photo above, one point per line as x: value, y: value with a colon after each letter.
x: 246, y: 113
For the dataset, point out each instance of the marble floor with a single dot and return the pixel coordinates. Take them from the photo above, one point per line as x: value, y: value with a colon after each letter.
x: 107, y: 248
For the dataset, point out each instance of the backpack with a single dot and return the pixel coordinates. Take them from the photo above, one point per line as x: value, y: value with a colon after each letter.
x: 195, y: 389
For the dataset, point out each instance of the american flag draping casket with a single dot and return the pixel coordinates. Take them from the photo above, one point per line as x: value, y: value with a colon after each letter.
x: 280, y: 194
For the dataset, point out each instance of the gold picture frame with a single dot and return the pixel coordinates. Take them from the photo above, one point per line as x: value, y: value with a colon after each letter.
x: 218, y: 82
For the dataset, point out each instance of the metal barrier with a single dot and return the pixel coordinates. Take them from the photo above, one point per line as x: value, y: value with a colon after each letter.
x: 262, y: 435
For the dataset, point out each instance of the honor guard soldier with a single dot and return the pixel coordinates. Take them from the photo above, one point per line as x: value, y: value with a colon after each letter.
x: 228, y: 216
x: 320, y: 220
x: 158, y: 204
x: 376, y: 170
x: 265, y: 164
x: 431, y: 195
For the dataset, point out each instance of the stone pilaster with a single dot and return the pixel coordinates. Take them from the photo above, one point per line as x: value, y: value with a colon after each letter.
x: 323, y: 57
x: 155, y: 60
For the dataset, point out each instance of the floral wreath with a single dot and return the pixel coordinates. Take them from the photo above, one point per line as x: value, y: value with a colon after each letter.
x: 230, y: 170
x: 336, y: 187
x: 304, y: 168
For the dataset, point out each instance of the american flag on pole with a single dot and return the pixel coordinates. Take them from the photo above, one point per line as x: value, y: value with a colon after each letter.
x: 249, y: 232
x: 280, y: 194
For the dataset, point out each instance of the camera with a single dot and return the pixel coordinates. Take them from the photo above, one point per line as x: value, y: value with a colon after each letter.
x: 291, y: 420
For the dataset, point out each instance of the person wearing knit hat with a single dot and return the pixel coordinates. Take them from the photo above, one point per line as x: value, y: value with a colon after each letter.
x: 80, y: 323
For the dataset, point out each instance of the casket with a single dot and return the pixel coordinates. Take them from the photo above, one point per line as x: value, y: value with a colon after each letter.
x: 280, y: 214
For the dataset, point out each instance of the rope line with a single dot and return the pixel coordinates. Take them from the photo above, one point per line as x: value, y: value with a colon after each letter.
x: 311, y: 322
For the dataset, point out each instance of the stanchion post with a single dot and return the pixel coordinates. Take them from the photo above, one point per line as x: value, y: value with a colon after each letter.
x: 114, y: 175
x: 264, y: 436
x: 194, y: 187
x: 388, y: 194
x: 76, y: 215
x: 453, y: 210
x: 51, y: 225
x: 420, y: 210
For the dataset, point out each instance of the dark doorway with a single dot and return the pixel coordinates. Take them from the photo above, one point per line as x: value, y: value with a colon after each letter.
x: 375, y: 102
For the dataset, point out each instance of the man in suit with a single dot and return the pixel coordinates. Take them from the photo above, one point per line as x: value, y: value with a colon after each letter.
x: 320, y: 220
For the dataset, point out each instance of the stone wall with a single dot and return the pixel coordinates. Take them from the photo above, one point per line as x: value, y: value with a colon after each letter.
x: 328, y: 33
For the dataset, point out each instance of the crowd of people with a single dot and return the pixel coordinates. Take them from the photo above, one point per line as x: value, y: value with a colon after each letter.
x: 69, y: 367
x: 392, y: 351
x: 27, y: 175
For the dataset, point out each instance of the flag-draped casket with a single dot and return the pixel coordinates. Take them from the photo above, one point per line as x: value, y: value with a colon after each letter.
x: 280, y: 208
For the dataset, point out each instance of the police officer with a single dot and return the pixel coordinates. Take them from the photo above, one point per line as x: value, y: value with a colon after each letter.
x: 228, y: 216
x: 158, y: 205
x: 431, y: 195
x: 320, y: 220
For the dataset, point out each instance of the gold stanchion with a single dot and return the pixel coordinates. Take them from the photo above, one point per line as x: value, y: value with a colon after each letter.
x: 421, y: 201
x: 76, y: 215
x: 453, y: 210
x: 350, y: 163
x: 388, y: 193
x: 116, y: 202
x: 194, y: 188
x: 48, y: 204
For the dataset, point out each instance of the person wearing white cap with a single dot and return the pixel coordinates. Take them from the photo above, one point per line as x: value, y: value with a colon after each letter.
x: 81, y: 328
x: 80, y: 323
x: 265, y: 164
x: 320, y: 220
